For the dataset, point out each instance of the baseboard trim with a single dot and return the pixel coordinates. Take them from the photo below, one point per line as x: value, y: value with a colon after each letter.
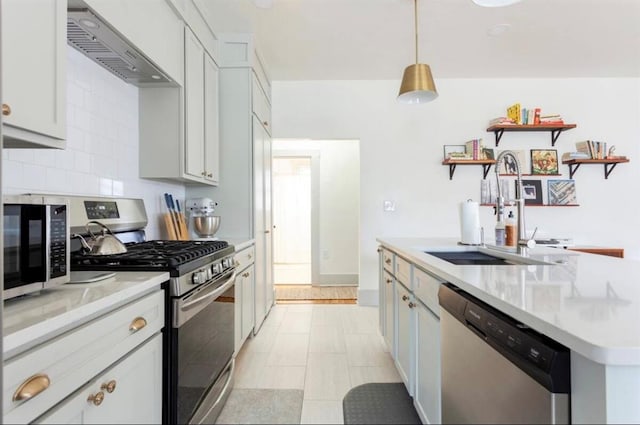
x: 338, y: 280
x: 368, y: 297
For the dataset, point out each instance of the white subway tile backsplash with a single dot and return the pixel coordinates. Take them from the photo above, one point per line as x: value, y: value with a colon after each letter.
x: 101, y: 157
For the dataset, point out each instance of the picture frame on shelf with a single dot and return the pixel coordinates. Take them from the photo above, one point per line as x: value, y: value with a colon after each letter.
x: 507, y: 166
x: 455, y: 152
x: 532, y: 192
x: 561, y: 192
x: 544, y: 161
x: 487, y: 153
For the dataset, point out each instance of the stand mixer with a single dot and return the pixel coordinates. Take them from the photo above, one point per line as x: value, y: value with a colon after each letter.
x: 202, y: 222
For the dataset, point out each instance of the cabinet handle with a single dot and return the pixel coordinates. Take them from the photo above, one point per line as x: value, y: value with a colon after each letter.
x: 405, y: 298
x: 388, y: 261
x: 265, y: 123
x: 137, y: 324
x: 267, y: 231
x: 388, y: 280
x: 209, y: 175
x: 379, y: 250
x: 204, y: 173
x: 6, y: 110
x: 249, y: 256
x: 411, y: 305
x: 32, y: 387
x: 109, y: 386
x: 96, y: 399
x: 245, y: 274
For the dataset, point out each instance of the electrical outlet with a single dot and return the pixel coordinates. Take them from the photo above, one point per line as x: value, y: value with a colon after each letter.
x: 388, y: 206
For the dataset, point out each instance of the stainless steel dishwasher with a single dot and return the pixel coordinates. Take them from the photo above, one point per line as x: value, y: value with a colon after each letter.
x: 496, y: 370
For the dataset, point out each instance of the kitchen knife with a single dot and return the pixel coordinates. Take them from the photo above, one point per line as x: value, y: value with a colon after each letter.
x: 183, y: 221
x: 176, y: 219
x: 172, y: 225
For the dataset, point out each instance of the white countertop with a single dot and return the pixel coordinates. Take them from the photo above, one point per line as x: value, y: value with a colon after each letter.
x: 591, y: 303
x: 30, y: 320
x: 240, y: 243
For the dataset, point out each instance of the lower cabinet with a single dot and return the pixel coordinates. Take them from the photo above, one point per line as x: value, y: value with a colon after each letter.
x: 427, y: 392
x: 128, y: 392
x: 405, y: 318
x: 245, y: 296
x: 389, y: 308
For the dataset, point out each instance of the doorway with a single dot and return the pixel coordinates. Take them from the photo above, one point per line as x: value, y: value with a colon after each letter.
x: 316, y: 188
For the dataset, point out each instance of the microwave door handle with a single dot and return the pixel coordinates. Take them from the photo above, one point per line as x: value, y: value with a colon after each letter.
x: 210, y: 295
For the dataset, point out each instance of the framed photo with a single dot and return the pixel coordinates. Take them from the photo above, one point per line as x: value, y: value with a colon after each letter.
x: 561, y: 192
x: 544, y: 161
x: 508, y: 166
x: 454, y: 152
x: 487, y: 153
x: 532, y: 191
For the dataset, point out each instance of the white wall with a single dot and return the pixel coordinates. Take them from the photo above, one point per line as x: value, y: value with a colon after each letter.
x: 101, y: 158
x: 401, y: 153
x: 339, y: 212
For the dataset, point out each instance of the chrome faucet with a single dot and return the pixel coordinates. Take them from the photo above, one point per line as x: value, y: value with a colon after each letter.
x: 522, y: 241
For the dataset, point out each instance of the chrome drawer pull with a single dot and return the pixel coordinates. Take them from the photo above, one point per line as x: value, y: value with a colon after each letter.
x: 96, y: 399
x: 388, y: 261
x: 404, y: 298
x: 137, y: 324
x: 32, y: 387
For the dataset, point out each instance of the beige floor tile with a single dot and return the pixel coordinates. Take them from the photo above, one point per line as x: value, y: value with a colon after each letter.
x: 326, y: 339
x: 289, y: 350
x: 329, y: 315
x: 300, y: 308
x: 296, y: 322
x: 322, y: 412
x: 249, y: 368
x: 327, y: 377
x: 366, y: 350
x: 283, y: 377
x: 276, y: 315
x: 263, y: 341
x: 361, y: 320
x: 366, y: 374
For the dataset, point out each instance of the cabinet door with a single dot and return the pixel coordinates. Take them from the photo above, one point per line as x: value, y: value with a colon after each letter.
x: 268, y: 221
x: 247, y: 301
x: 427, y: 397
x: 211, y: 121
x: 136, y: 396
x: 194, y: 105
x: 404, y: 314
x: 237, y: 322
x: 389, y: 306
x: 259, y: 224
x: 34, y: 56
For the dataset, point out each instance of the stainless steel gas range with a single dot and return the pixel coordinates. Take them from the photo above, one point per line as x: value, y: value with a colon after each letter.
x: 199, y: 328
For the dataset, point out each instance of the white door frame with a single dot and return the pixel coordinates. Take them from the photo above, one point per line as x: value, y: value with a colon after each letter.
x: 315, y: 203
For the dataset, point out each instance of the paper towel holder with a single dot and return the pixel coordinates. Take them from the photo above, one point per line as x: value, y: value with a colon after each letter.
x: 475, y: 244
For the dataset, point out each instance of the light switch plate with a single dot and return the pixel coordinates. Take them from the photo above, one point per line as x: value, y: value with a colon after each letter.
x: 388, y: 206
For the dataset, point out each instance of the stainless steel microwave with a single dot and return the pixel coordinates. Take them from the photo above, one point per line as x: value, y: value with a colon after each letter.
x: 36, y: 243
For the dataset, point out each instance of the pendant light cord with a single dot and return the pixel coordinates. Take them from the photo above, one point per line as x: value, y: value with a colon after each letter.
x: 415, y: 13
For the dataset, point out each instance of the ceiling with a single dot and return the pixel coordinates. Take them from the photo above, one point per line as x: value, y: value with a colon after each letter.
x: 374, y: 39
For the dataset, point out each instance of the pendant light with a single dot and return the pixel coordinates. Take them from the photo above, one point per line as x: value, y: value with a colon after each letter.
x: 417, y: 83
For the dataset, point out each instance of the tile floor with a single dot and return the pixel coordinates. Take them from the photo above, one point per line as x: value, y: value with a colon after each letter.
x: 322, y: 349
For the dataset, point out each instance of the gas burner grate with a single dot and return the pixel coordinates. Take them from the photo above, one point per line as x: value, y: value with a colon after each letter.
x: 153, y: 254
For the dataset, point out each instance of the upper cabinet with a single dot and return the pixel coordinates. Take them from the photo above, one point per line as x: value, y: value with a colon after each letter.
x: 34, y: 73
x: 179, y: 126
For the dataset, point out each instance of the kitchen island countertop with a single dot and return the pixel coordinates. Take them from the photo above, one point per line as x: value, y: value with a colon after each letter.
x: 589, y: 303
x: 35, y: 318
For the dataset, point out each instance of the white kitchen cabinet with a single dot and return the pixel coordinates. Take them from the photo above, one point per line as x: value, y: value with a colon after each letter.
x: 62, y: 365
x: 158, y: 38
x: 34, y: 56
x: 179, y: 127
x: 244, y: 294
x: 130, y: 392
x: 427, y: 385
x: 389, y: 312
x: 244, y: 191
x: 405, y: 317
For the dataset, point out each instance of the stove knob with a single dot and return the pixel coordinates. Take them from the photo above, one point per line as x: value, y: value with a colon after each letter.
x: 196, y: 279
x: 209, y: 273
x: 217, y: 268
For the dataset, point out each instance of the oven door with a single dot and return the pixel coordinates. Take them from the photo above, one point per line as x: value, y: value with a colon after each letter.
x: 203, y: 334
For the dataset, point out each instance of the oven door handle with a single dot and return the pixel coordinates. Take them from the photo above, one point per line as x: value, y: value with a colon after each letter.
x: 209, y: 295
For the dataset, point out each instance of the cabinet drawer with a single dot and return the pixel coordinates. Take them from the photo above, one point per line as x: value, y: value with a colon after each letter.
x: 425, y: 288
x: 403, y: 271
x: 73, y: 358
x: 387, y: 260
x: 245, y: 258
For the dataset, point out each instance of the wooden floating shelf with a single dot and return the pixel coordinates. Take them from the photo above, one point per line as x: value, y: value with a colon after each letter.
x: 531, y: 175
x: 609, y: 164
x: 555, y: 130
x: 533, y: 205
x: 452, y: 163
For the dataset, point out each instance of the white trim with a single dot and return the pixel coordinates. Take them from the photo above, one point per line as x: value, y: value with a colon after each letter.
x: 368, y: 297
x: 338, y: 280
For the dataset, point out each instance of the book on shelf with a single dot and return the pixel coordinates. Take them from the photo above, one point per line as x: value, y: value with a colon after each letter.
x: 501, y: 121
x: 595, y: 149
x: 575, y: 155
x: 474, y: 148
x: 551, y: 119
x: 513, y: 113
x: 536, y: 116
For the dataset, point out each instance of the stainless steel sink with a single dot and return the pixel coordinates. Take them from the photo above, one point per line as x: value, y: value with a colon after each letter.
x: 482, y: 258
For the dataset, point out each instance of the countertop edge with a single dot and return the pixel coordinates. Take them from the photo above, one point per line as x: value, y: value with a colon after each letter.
x: 618, y: 356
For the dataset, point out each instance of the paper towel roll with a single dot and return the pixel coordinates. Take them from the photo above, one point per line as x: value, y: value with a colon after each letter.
x: 470, y: 222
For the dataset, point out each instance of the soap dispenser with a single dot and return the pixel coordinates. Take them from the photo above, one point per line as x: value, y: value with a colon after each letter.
x: 500, y: 231
x: 511, y: 233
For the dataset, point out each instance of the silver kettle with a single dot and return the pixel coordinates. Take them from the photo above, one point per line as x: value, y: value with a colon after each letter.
x: 103, y: 244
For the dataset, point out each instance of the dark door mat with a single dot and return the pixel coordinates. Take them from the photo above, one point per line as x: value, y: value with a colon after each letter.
x: 388, y: 403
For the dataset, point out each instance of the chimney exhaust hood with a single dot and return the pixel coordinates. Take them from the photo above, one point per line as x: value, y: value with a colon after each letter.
x: 91, y: 36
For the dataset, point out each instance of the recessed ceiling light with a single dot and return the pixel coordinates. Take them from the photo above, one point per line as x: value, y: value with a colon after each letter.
x: 495, y: 3
x: 498, y: 30
x: 156, y: 77
x: 88, y: 23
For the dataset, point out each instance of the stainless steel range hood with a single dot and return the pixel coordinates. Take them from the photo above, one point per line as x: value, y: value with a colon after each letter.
x: 89, y: 34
